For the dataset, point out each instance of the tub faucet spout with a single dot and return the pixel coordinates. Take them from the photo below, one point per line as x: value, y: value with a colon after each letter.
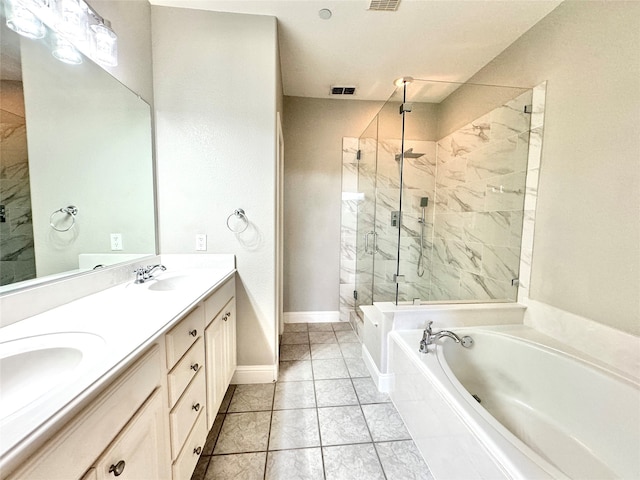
x: 428, y: 337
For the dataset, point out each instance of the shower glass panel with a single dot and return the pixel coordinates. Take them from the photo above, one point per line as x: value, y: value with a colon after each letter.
x: 463, y: 243
x: 366, y: 213
x: 379, y: 187
x: 442, y: 194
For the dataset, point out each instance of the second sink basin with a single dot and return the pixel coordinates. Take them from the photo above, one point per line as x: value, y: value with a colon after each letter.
x: 32, y: 367
x: 170, y: 282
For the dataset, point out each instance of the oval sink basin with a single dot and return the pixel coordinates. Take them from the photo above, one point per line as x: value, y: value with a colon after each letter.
x: 32, y: 367
x: 174, y: 282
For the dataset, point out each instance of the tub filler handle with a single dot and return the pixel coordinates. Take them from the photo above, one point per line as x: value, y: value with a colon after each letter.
x: 428, y: 337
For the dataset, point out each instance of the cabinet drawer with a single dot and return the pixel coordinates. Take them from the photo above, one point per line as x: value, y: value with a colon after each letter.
x: 186, y: 411
x: 183, y: 335
x: 216, y: 301
x: 186, y: 462
x: 185, y: 370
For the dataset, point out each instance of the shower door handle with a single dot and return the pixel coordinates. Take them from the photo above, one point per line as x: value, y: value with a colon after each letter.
x: 366, y: 243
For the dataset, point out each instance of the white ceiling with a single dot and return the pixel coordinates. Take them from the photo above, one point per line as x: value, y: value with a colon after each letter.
x: 446, y: 40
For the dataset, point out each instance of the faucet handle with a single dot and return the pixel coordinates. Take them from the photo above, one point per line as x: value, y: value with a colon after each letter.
x: 428, y: 327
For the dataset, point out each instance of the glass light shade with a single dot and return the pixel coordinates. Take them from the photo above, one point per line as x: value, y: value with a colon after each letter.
x: 65, y: 52
x: 105, y: 45
x: 22, y: 21
x: 72, y: 20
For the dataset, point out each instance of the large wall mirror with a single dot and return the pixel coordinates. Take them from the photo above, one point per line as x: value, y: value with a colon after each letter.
x: 71, y: 136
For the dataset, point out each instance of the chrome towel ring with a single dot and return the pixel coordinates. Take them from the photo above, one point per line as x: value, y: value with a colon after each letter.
x: 71, y: 211
x: 237, y: 222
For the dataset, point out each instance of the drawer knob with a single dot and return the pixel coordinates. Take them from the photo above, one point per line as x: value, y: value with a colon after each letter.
x: 197, y: 451
x: 195, y: 367
x: 226, y: 316
x: 193, y: 332
x: 117, y: 469
x: 196, y: 407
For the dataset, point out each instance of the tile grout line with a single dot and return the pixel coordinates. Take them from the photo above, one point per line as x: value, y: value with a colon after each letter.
x: 315, y: 396
x: 266, y: 456
x: 384, y: 474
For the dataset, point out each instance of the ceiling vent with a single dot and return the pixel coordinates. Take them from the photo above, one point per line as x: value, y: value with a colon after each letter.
x: 343, y: 90
x: 384, y: 5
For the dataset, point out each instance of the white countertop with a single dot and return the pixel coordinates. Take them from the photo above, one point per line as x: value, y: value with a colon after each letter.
x: 126, y: 319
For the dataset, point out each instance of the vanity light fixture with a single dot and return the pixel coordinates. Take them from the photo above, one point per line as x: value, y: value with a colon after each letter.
x: 65, y: 52
x: 21, y: 20
x: 76, y: 26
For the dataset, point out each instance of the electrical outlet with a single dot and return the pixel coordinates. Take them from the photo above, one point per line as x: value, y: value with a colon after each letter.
x: 116, y: 241
x: 201, y: 242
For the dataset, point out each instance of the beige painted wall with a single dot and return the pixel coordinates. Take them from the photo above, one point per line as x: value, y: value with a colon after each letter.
x: 586, y: 257
x: 313, y: 131
x: 216, y: 132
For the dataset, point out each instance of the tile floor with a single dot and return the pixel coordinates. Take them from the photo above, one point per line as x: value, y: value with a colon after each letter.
x: 324, y: 419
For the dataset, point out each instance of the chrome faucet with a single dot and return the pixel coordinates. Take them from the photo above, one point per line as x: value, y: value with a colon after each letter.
x: 428, y: 337
x: 146, y: 273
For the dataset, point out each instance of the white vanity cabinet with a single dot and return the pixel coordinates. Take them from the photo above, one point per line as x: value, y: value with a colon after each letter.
x: 126, y: 423
x: 220, y: 345
x: 151, y: 420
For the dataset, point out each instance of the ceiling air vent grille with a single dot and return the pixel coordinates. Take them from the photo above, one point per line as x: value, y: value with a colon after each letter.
x: 384, y: 5
x: 343, y: 90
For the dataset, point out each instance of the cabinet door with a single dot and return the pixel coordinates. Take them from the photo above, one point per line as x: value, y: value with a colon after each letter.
x: 215, y: 346
x: 230, y: 341
x: 136, y: 451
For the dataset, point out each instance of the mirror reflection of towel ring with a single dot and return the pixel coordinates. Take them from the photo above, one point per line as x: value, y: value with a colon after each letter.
x: 241, y: 222
x: 71, y: 211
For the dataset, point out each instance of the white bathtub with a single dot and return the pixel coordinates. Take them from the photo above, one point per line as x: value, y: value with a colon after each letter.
x: 544, y: 413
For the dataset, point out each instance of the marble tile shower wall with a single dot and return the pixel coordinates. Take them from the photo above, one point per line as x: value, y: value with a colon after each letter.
x: 480, y: 193
x: 17, y: 257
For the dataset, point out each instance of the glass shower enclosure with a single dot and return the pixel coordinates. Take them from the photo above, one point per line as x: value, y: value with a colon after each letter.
x: 441, y: 175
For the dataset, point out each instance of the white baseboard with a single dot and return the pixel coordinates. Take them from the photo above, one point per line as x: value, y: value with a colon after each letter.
x: 311, y: 317
x: 384, y: 381
x: 246, y: 374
